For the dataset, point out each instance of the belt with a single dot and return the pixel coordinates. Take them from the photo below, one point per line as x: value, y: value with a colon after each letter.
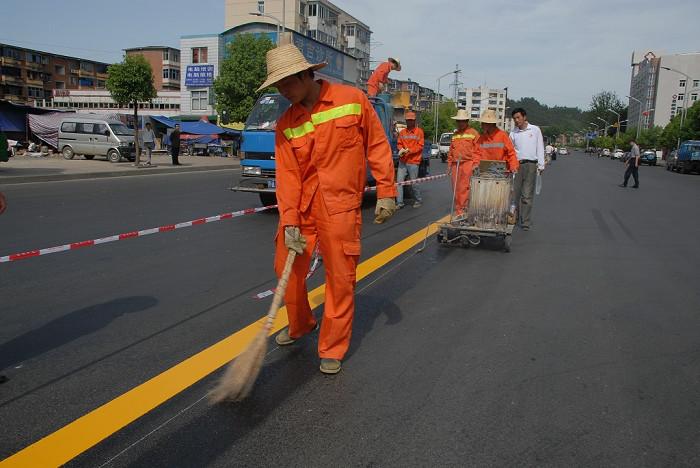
x: 527, y: 161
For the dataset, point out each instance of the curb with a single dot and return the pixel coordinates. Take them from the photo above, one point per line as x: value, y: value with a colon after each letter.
x: 100, y: 175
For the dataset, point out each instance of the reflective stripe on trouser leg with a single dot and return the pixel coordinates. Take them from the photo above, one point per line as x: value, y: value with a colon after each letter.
x: 301, y: 319
x: 339, y: 242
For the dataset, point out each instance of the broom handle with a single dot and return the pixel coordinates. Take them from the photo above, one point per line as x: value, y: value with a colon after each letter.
x: 280, y: 290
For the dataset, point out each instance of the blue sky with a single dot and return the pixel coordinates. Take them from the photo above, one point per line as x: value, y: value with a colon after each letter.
x: 560, y: 52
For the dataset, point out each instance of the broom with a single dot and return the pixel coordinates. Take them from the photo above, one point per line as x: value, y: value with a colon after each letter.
x: 241, y: 373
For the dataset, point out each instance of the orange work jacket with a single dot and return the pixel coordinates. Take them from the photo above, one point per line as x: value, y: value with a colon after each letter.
x: 413, y: 140
x: 328, y: 149
x: 464, y: 147
x: 380, y: 74
x: 497, y: 146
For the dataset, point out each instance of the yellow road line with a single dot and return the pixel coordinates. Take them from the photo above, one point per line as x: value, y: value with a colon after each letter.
x: 85, y: 432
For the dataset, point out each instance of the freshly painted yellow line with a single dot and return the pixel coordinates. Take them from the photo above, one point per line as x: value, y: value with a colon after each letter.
x: 83, y: 433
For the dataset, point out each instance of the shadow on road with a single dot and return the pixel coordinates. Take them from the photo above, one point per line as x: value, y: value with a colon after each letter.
x: 69, y: 327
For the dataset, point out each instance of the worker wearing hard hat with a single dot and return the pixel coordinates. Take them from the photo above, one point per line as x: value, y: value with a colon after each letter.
x: 380, y: 76
x: 323, y: 144
x: 494, y: 143
x: 463, y: 157
x: 410, y: 143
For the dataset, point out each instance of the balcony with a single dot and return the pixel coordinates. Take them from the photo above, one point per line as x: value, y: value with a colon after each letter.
x: 102, y: 76
x: 74, y: 71
x: 89, y: 74
x: 34, y: 66
x: 10, y: 61
x: 12, y: 80
x: 35, y: 82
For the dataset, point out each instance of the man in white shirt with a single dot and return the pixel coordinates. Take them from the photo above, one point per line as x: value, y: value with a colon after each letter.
x: 529, y: 146
x: 149, y: 141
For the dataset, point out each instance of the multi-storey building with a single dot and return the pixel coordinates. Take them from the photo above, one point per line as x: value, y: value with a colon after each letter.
x: 320, y: 20
x: 477, y: 100
x: 100, y: 101
x: 27, y: 74
x: 661, y: 86
x: 165, y: 62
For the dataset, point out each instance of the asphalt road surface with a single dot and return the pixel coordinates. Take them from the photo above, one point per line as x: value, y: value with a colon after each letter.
x: 580, y: 347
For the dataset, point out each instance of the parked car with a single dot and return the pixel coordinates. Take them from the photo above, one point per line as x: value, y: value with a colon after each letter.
x: 618, y: 154
x: 563, y: 151
x: 648, y: 157
x: 688, y: 157
x: 605, y: 153
x: 96, y: 137
x: 434, y: 151
x: 672, y: 161
x: 444, y: 145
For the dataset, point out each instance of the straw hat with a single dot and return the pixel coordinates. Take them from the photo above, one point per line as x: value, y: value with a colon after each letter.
x: 397, y: 62
x: 284, y: 61
x: 489, y: 116
x: 410, y: 116
x: 461, y: 115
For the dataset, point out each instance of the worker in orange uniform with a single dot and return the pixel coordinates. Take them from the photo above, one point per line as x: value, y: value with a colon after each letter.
x: 410, y: 143
x: 323, y: 143
x: 463, y: 157
x: 380, y: 76
x: 495, y: 144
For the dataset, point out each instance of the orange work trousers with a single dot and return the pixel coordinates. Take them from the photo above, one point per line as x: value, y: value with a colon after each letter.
x: 339, y: 242
x: 460, y: 184
x: 372, y: 89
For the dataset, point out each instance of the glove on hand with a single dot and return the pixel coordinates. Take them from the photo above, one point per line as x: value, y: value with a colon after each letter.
x: 403, y: 151
x: 294, y: 240
x: 386, y: 207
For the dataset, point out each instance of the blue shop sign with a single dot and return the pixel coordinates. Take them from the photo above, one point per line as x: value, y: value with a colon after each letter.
x: 199, y: 75
x: 317, y: 53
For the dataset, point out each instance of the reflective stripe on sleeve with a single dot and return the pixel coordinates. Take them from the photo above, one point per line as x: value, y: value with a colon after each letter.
x: 322, y: 117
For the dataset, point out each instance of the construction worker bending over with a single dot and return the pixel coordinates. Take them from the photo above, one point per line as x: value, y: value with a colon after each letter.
x: 410, y: 143
x: 322, y: 145
x: 494, y: 143
x: 463, y: 157
x: 380, y: 77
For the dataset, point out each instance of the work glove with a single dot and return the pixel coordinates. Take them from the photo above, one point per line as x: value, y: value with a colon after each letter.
x: 294, y: 240
x: 403, y: 151
x: 386, y: 207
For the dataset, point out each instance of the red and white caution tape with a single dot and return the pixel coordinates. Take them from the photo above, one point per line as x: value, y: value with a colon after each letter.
x: 132, y: 234
x: 171, y: 227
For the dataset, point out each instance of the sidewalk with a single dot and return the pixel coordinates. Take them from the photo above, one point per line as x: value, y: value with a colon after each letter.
x: 35, y: 168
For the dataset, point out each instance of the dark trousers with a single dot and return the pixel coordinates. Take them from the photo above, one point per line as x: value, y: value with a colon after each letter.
x: 175, y: 152
x: 632, y: 170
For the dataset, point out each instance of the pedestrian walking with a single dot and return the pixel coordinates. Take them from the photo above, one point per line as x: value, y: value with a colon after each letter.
x: 323, y: 144
x: 5, y: 150
x: 463, y: 157
x: 494, y: 143
x: 410, y: 143
x: 380, y: 77
x: 632, y: 166
x: 175, y: 144
x: 149, y: 141
x: 529, y: 146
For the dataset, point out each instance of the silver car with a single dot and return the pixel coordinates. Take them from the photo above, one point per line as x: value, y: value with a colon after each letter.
x: 95, y: 137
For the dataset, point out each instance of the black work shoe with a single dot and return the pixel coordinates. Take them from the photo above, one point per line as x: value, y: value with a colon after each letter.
x: 622, y: 185
x: 635, y: 186
x: 283, y: 338
x: 330, y: 366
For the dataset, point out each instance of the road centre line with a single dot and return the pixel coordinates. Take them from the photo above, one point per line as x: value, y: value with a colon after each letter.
x: 87, y: 431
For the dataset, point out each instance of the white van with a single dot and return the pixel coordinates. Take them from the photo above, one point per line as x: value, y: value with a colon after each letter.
x: 444, y: 145
x: 95, y: 137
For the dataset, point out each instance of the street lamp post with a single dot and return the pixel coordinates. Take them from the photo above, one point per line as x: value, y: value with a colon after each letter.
x: 279, y: 23
x: 617, y: 133
x: 685, y: 96
x: 605, y: 129
x: 437, y: 101
x: 639, y: 120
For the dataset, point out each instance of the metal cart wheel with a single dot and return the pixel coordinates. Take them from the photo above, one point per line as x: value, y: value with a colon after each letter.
x: 506, y: 243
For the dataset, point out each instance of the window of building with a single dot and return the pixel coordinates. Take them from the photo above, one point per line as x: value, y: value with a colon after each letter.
x: 60, y: 85
x: 11, y: 53
x: 312, y: 10
x: 60, y: 70
x: 11, y: 71
x: 261, y: 6
x: 87, y: 66
x: 199, y: 100
x: 199, y: 55
x: 694, y: 97
x: 696, y: 83
x: 100, y: 84
x: 681, y: 97
x: 681, y: 84
x: 350, y: 30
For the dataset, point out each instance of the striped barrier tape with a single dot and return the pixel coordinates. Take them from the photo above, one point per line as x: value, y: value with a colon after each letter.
x: 170, y: 227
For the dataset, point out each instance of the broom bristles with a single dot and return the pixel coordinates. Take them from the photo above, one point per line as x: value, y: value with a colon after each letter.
x: 241, y: 373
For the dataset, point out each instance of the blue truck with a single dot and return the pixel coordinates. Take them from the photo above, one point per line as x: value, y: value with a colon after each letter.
x: 257, y: 150
x: 686, y: 159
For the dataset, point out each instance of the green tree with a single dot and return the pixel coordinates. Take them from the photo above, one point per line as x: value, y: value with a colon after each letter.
x: 129, y: 83
x: 240, y: 74
x: 446, y: 110
x: 598, y: 108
